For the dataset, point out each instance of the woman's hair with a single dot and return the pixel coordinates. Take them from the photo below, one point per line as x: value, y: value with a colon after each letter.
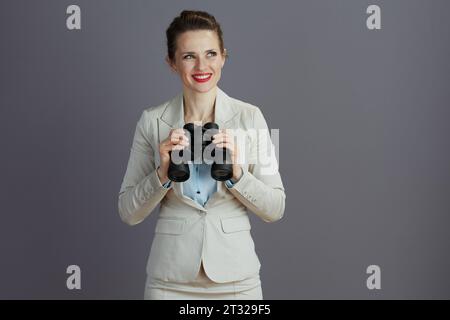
x: 190, y: 21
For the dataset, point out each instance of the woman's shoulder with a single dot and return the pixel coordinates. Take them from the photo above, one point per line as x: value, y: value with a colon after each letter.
x: 247, y: 109
x: 149, y: 117
x: 243, y: 105
x: 250, y: 114
x: 237, y: 103
x: 151, y: 114
x: 155, y: 111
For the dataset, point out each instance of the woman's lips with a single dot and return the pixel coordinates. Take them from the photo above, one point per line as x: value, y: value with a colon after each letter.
x: 202, y: 77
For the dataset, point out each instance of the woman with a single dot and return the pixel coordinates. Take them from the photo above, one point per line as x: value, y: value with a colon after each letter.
x: 202, y: 247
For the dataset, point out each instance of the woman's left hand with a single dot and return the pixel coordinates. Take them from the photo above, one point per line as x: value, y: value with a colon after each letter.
x: 225, y: 139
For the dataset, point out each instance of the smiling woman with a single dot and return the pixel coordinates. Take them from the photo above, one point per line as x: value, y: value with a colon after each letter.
x: 199, y: 59
x: 196, y: 53
x: 202, y: 246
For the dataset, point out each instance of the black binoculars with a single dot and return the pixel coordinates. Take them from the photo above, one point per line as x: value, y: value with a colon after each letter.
x: 201, y: 136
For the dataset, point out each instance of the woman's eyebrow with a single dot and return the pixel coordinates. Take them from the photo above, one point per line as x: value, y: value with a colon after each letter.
x: 192, y: 52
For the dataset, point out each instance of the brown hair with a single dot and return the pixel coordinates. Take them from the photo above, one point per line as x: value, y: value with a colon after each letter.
x: 190, y: 21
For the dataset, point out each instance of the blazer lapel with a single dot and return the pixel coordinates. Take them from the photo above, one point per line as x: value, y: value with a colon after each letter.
x: 173, y: 117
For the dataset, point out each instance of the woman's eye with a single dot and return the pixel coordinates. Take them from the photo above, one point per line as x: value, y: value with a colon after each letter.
x: 212, y: 53
x: 189, y: 56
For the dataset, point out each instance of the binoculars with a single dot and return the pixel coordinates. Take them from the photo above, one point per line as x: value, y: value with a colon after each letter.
x: 201, y: 136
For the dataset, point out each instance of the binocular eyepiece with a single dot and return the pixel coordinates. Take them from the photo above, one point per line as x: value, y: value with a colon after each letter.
x: 201, y: 136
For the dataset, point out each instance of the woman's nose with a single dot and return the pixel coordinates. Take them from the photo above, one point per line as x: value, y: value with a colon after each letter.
x: 201, y: 63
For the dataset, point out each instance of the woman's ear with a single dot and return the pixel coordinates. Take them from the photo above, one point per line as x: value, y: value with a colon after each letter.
x: 225, y: 56
x: 171, y: 64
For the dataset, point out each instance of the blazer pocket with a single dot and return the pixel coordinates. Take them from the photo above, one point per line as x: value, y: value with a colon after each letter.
x: 170, y: 226
x: 235, y: 224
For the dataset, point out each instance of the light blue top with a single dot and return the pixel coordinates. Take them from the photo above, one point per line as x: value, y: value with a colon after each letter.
x: 200, y: 186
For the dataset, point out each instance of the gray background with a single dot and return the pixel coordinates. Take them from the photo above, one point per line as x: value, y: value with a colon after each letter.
x: 364, y: 154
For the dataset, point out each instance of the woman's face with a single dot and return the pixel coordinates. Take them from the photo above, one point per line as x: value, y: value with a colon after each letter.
x: 198, y: 60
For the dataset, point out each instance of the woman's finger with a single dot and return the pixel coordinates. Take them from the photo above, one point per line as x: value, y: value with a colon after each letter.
x: 226, y: 145
x: 175, y: 137
x: 167, y: 146
x: 222, y: 138
x: 177, y: 131
x: 177, y: 147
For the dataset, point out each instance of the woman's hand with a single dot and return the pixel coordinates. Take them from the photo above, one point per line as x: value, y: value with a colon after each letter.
x: 225, y: 139
x: 175, y: 141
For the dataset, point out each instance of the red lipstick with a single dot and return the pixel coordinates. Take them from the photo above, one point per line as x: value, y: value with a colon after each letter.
x: 202, y: 77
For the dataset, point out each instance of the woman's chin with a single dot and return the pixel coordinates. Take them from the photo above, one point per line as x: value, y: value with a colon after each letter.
x: 202, y: 88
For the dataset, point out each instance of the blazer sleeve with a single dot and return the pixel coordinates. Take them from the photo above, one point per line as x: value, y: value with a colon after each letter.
x: 141, y: 189
x: 260, y: 188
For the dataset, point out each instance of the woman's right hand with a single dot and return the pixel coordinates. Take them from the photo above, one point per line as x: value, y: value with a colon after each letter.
x: 176, y: 140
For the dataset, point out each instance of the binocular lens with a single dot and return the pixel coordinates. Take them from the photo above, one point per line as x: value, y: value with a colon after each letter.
x: 221, y: 174
x: 178, y: 174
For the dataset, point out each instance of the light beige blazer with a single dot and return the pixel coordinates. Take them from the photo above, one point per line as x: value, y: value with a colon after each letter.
x: 187, y: 233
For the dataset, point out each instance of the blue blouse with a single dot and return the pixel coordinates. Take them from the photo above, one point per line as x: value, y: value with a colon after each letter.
x: 200, y: 186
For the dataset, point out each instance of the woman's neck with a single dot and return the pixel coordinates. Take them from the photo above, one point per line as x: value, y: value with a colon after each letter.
x: 199, y: 107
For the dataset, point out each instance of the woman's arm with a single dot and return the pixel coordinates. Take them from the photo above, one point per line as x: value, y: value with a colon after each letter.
x: 141, y: 189
x: 260, y: 187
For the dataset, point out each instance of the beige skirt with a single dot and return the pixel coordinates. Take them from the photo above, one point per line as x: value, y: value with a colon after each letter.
x: 203, y: 288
